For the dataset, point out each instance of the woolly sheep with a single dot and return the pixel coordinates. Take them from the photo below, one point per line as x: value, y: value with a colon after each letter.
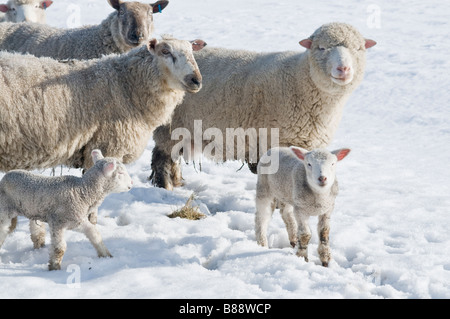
x: 53, y: 113
x: 304, y: 185
x: 63, y: 202
x: 302, y: 94
x: 128, y: 27
x: 25, y: 11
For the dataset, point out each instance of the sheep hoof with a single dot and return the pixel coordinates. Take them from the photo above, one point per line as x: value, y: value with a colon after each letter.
x: 54, y: 267
x: 325, y: 263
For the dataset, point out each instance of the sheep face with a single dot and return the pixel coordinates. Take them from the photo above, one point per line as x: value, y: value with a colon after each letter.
x: 135, y: 20
x: 179, y: 63
x: 320, y: 166
x: 26, y: 10
x: 337, y: 56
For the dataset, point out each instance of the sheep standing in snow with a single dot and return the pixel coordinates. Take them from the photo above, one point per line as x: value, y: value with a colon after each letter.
x: 25, y: 11
x: 304, y: 185
x: 54, y: 113
x: 63, y: 202
x: 130, y: 26
x: 302, y: 94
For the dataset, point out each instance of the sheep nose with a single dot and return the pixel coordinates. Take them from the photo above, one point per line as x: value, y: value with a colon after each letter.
x: 343, y: 69
x: 322, y: 179
x: 193, y: 82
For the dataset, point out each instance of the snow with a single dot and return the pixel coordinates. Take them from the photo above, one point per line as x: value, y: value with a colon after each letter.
x: 389, y: 230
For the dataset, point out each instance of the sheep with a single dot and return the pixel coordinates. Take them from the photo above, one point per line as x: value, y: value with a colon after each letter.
x: 64, y: 202
x: 301, y: 94
x: 128, y: 27
x: 25, y: 11
x: 304, y: 185
x: 52, y: 113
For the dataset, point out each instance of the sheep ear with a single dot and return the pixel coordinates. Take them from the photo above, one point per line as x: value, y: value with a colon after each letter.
x: 197, y: 45
x: 341, y: 153
x: 306, y: 43
x: 159, y: 6
x: 115, y: 4
x: 96, y: 155
x: 152, y: 44
x: 370, y: 43
x: 109, y: 168
x: 299, y: 152
x: 4, y: 8
x: 45, y: 4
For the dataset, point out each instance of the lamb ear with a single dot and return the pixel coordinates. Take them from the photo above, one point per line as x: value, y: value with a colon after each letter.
x: 306, y: 43
x: 4, y: 8
x: 45, y: 4
x: 341, y: 153
x: 299, y: 152
x: 197, y: 45
x: 115, y: 4
x: 96, y: 155
x: 370, y: 43
x: 159, y: 6
x: 109, y: 168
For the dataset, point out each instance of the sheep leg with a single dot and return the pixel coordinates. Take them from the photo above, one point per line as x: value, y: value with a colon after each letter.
x: 95, y: 238
x: 304, y: 235
x: 324, y: 233
x: 13, y: 225
x: 164, y: 170
x: 37, y: 230
x: 58, y: 248
x: 4, y: 228
x: 264, y: 210
x: 287, y: 213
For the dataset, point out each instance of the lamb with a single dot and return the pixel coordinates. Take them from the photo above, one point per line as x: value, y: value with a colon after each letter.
x: 25, y: 11
x: 301, y: 94
x: 304, y: 185
x: 128, y: 27
x: 63, y: 202
x: 52, y: 113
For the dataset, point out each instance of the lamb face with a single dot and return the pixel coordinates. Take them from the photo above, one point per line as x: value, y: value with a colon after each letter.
x: 337, y: 56
x: 136, y: 20
x: 26, y: 10
x: 320, y: 166
x: 179, y: 63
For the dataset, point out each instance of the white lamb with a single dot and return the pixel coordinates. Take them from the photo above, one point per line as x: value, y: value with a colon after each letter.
x: 25, y: 11
x: 63, y: 202
x: 304, y: 185
x: 301, y: 93
x: 128, y: 27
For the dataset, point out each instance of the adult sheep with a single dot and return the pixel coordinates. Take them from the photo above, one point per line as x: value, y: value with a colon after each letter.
x: 25, y: 11
x: 54, y: 113
x: 128, y: 27
x: 301, y: 94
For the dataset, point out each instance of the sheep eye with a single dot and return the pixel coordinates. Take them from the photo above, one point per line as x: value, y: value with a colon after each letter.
x: 321, y: 49
x: 165, y: 51
x: 121, y: 11
x: 309, y: 164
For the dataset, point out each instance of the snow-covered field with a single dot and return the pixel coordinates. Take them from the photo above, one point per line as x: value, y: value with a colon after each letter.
x: 390, y: 228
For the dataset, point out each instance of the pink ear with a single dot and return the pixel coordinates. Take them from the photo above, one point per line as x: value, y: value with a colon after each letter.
x: 4, y: 8
x: 197, y: 45
x: 108, y: 168
x: 342, y: 153
x: 369, y: 43
x: 46, y: 4
x: 159, y: 6
x: 96, y: 155
x: 299, y: 152
x: 306, y: 43
x: 152, y: 44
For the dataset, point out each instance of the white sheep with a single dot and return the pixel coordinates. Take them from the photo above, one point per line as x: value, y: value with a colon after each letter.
x: 63, y: 202
x: 304, y: 185
x: 301, y: 94
x: 25, y: 11
x: 54, y: 113
x: 129, y: 26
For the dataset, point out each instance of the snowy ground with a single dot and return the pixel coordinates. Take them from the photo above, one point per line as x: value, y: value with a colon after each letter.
x: 389, y: 230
